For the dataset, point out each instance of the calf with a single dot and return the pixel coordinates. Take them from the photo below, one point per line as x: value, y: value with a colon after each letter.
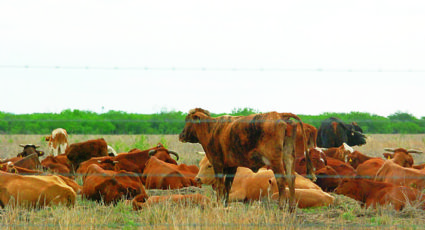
x: 339, y: 153
x: 57, y: 164
x: 372, y: 193
x: 356, y: 158
x: 58, y: 141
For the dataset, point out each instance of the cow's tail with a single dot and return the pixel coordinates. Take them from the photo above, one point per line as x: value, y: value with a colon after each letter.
x: 309, y: 163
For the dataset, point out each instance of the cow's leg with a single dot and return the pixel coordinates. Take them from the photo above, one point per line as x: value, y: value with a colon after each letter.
x: 290, y: 179
x: 229, y: 177
x: 219, y: 182
x: 279, y: 172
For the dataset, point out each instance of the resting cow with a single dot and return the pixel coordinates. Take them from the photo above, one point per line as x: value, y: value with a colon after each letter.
x: 110, y: 186
x: 249, y: 186
x: 318, y: 159
x: 340, y: 152
x: 30, y: 149
x: 392, y: 172
x: 250, y: 141
x: 333, y: 133
x: 82, y: 151
x: 162, y: 175
x: 372, y: 193
x: 58, y: 141
x: 29, y: 162
x: 57, y: 164
x: 34, y: 191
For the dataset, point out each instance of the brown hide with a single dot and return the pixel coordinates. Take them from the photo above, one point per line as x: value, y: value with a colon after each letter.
x: 82, y: 151
x: 330, y: 178
x: 30, y: 162
x: 356, y: 158
x: 135, y: 160
x: 34, y: 191
x: 57, y: 164
x: 311, y: 136
x: 318, y: 159
x: 109, y: 186
x: 141, y: 201
x: 369, y: 168
x: 373, y: 193
x: 391, y: 172
x: 161, y: 175
x: 248, y: 141
x: 103, y: 162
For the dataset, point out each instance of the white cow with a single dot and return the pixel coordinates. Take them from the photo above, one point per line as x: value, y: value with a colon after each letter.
x: 58, y: 141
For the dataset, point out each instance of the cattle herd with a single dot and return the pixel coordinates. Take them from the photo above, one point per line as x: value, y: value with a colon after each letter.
x: 273, y: 157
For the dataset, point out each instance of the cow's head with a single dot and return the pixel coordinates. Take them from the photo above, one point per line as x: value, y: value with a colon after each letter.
x: 194, y: 118
x: 164, y: 154
x: 206, y: 174
x: 401, y: 156
x: 355, y: 134
x: 30, y: 149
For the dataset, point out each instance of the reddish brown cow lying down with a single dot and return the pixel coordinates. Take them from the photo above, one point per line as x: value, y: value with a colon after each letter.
x: 110, y: 186
x: 373, y: 193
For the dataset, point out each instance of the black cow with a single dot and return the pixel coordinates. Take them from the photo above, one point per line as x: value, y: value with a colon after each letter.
x: 333, y: 133
x: 30, y: 149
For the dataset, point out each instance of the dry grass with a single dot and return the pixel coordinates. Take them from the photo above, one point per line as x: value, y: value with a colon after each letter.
x: 345, y: 213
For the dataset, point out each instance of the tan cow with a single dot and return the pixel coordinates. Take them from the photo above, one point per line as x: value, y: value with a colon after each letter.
x: 249, y: 186
x: 142, y: 201
x: 34, y: 191
x: 58, y: 141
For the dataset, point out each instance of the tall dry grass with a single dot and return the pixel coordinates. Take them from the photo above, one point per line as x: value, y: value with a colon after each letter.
x: 345, y: 213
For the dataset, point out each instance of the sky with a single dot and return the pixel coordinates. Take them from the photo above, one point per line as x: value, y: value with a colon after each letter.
x: 304, y: 57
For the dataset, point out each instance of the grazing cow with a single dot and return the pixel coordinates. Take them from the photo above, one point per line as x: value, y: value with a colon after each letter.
x: 79, y: 152
x: 57, y: 164
x: 110, y: 186
x: 372, y: 193
x: 250, y: 141
x: 34, y: 191
x: 339, y: 153
x: 135, y: 160
x: 318, y: 159
x: 333, y: 133
x: 30, y: 149
x: 162, y: 175
x: 393, y: 172
x: 142, y: 201
x: 58, y: 141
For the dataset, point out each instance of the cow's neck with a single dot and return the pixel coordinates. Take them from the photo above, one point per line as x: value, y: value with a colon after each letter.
x: 204, y: 131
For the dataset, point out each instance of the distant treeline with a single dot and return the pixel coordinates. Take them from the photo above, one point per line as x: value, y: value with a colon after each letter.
x: 172, y: 122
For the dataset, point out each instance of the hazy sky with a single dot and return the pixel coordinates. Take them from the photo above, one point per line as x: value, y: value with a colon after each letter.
x: 305, y: 57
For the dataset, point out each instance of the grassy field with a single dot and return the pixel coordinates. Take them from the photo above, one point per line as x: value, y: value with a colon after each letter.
x: 345, y: 213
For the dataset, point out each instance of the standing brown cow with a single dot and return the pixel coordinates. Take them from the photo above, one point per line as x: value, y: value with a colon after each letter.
x: 58, y: 141
x: 251, y: 141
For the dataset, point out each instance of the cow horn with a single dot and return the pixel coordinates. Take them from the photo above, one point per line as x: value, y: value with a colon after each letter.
x: 22, y: 145
x: 414, y: 151
x: 152, y: 152
x: 390, y: 149
x: 175, y: 154
x: 115, y: 162
x: 201, y: 153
